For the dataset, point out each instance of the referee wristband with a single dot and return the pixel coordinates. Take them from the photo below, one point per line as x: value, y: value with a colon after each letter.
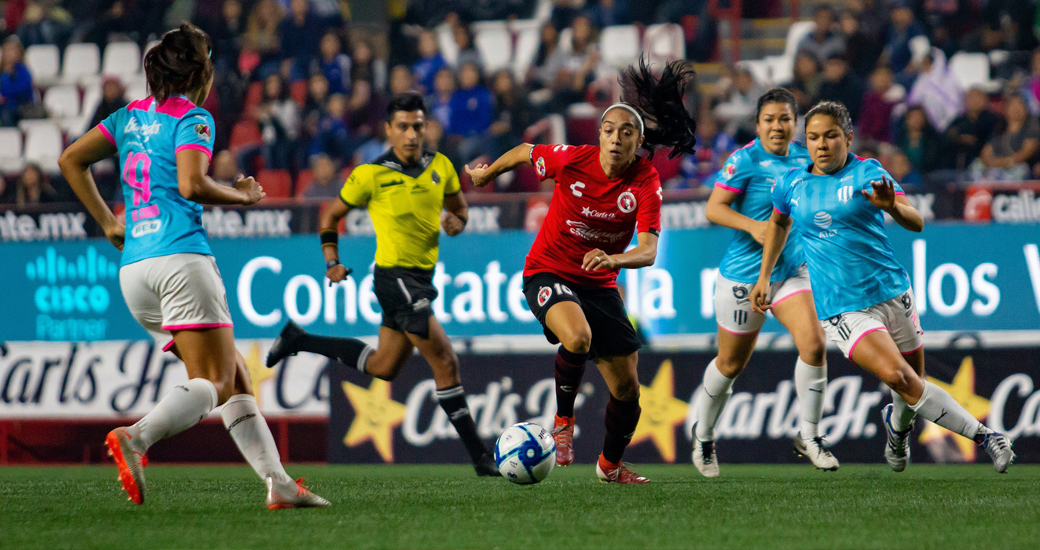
x: 329, y: 237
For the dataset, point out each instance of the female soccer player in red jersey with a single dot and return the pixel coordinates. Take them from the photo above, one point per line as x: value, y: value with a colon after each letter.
x: 603, y: 195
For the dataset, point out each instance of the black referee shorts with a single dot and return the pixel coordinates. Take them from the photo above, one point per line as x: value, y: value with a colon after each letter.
x: 405, y: 294
x: 612, y: 333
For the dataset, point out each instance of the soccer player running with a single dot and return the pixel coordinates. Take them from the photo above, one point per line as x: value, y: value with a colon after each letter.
x: 405, y: 190
x: 863, y: 296
x: 603, y: 194
x: 741, y: 200
x: 168, y: 275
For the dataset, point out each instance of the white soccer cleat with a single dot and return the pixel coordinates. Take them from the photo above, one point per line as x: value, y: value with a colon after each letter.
x: 704, y: 456
x: 897, y: 449
x: 998, y: 447
x: 814, y: 450
x: 292, y: 494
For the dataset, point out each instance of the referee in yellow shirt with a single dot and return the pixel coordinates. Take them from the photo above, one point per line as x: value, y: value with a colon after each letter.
x: 405, y: 190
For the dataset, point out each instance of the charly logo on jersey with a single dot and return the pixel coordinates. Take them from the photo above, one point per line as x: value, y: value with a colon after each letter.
x: 544, y: 293
x: 132, y: 127
x: 845, y: 193
x: 626, y: 202
x: 596, y: 214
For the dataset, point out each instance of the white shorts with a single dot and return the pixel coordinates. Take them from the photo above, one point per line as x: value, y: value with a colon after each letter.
x: 898, y: 316
x: 175, y: 292
x: 733, y: 310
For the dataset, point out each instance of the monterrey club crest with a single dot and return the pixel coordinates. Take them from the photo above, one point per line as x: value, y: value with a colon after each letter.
x: 539, y: 166
x: 626, y: 202
x: 544, y: 293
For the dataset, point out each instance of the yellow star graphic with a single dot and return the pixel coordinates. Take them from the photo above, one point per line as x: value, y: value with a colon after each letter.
x: 376, y: 416
x: 258, y: 372
x: 963, y: 390
x: 661, y: 412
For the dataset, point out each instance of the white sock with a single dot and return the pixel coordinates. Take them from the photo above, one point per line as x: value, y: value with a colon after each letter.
x: 810, y: 382
x: 252, y: 435
x: 181, y: 409
x: 902, y: 414
x: 940, y: 407
x: 716, y: 389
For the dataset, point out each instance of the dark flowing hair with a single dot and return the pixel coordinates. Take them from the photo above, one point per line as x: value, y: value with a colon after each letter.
x: 180, y: 63
x: 660, y: 101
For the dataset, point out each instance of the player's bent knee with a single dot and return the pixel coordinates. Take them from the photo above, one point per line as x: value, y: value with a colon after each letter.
x: 899, y: 377
x: 579, y: 341
x: 728, y: 366
x: 813, y: 352
x: 626, y: 391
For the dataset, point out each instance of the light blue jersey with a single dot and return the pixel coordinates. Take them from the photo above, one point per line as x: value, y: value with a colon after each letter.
x: 851, y: 262
x: 159, y: 220
x: 751, y: 171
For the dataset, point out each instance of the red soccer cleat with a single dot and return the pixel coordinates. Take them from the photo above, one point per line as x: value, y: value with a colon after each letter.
x: 563, y: 435
x: 131, y: 463
x: 610, y: 472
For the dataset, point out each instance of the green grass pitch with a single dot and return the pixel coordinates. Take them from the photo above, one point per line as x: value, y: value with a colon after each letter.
x: 448, y: 507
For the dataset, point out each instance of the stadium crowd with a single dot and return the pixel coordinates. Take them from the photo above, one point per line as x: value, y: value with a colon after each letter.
x: 300, y: 90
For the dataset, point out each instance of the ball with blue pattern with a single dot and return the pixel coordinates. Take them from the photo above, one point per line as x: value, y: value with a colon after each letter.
x: 525, y: 453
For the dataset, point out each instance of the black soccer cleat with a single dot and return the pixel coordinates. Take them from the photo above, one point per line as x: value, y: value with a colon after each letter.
x: 486, y: 467
x: 285, y: 344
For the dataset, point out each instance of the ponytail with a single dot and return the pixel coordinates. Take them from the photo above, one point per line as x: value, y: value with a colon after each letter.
x: 660, y: 101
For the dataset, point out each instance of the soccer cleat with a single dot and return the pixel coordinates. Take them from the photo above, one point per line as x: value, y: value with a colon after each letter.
x: 704, y: 457
x: 610, y: 473
x: 563, y: 435
x: 129, y: 461
x: 485, y: 467
x: 897, y: 450
x: 998, y: 447
x: 814, y: 450
x: 285, y: 344
x: 292, y: 494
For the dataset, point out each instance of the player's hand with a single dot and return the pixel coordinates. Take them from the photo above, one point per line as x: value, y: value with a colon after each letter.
x: 251, y: 190
x: 884, y: 195
x: 337, y: 273
x: 116, y: 234
x: 758, y: 231
x: 760, y: 297
x: 597, y: 260
x: 452, y: 224
x: 479, y: 174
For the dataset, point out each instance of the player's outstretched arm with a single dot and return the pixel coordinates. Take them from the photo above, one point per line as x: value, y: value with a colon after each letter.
x: 720, y: 211
x: 457, y: 216
x: 75, y: 166
x: 196, y: 186
x: 776, y: 238
x: 483, y: 174
x: 642, y: 255
x: 334, y: 211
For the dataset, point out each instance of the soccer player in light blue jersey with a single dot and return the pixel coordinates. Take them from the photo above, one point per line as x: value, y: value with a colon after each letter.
x: 168, y: 275
x: 741, y: 200
x: 863, y: 296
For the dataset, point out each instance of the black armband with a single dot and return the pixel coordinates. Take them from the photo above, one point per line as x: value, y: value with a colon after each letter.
x: 330, y: 237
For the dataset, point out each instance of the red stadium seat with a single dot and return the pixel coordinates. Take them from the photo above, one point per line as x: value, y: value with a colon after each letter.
x: 253, y: 97
x: 303, y: 181
x: 298, y: 91
x: 276, y: 183
x: 244, y: 134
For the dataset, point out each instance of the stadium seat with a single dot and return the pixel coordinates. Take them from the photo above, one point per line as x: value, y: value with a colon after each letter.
x: 446, y: 43
x: 43, y: 145
x: 253, y: 96
x: 136, y: 88
x: 276, y: 183
x: 304, y: 179
x: 74, y: 126
x: 566, y: 41
x: 495, y: 44
x: 619, y: 45
x: 528, y: 34
x: 122, y: 59
x: 972, y: 71
x: 783, y: 66
x: 62, y: 101
x: 91, y: 99
x: 298, y: 92
x: 11, y: 150
x: 244, y: 133
x: 44, y: 63
x: 664, y: 43
x: 81, y: 61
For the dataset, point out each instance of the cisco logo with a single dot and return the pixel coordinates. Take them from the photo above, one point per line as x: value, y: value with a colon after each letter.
x: 72, y: 294
x: 822, y: 219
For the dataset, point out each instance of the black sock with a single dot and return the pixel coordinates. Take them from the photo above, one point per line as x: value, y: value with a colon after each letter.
x: 622, y: 417
x: 453, y: 401
x: 570, y: 367
x: 348, y: 351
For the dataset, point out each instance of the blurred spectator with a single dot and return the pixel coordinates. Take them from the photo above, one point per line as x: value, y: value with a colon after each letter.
x: 45, y: 23
x: 114, y: 21
x: 805, y: 84
x: 823, y: 42
x: 373, y: 147
x: 873, y: 16
x: 548, y: 41
x: 6, y: 192
x: 113, y: 98
x: 472, y: 111
x: 430, y: 62
x: 435, y: 142
x: 513, y: 112
x: 439, y: 103
x: 262, y: 37
x: 700, y: 168
x: 840, y: 84
x: 972, y: 130
x: 467, y: 51
x: 225, y: 168
x: 1007, y: 155
x: 314, y: 105
x: 920, y: 142
x: 226, y: 35
x: 1032, y: 82
x: 739, y: 100
x: 334, y: 64
x: 862, y: 49
x: 904, y: 28
x: 938, y: 91
x: 365, y: 67
x: 300, y: 34
x: 605, y: 13
x: 902, y: 170
x: 332, y: 134
x: 279, y: 121
x: 986, y: 38
x: 875, y: 121
x: 326, y: 183
x: 401, y: 80
x: 16, y: 84
x: 570, y: 70
x: 33, y: 187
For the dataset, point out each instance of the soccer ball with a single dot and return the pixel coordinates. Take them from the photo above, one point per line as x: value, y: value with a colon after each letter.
x: 525, y: 453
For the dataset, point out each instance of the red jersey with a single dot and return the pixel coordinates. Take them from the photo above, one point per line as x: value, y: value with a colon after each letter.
x: 590, y: 211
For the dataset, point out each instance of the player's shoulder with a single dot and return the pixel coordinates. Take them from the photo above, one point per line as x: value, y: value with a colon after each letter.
x: 441, y: 163
x: 866, y: 168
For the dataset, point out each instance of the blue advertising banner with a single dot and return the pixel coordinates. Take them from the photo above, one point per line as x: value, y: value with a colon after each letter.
x: 966, y: 278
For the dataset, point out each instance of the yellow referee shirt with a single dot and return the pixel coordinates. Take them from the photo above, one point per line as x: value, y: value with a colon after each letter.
x: 405, y: 203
